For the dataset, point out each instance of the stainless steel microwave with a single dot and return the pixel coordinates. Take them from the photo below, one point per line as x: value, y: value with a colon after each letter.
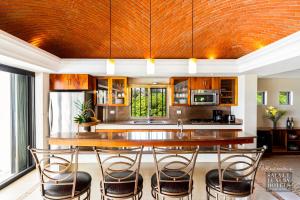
x: 204, y: 97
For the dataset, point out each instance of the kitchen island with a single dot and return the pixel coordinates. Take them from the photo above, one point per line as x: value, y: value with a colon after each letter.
x: 206, y: 138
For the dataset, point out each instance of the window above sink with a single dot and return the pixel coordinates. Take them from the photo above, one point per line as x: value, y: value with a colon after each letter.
x: 148, y: 102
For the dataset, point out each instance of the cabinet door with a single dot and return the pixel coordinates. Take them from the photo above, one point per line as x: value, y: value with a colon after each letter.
x: 201, y: 83
x: 118, y: 91
x: 102, y: 91
x: 215, y: 83
x: 79, y: 82
x: 228, y: 91
x: 71, y: 82
x: 180, y: 91
x: 207, y: 83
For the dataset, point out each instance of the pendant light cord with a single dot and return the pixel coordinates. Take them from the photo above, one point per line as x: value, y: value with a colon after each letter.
x: 150, y: 31
x: 192, y: 28
x: 110, y: 29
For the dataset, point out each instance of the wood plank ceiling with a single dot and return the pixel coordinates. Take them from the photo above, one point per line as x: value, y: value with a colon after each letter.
x: 218, y: 28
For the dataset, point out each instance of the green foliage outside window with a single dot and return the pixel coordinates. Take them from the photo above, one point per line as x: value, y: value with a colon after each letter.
x: 158, y: 102
x: 140, y: 101
x: 261, y: 98
x: 284, y: 98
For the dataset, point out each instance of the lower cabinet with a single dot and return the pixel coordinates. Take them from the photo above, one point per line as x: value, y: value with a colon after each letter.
x: 281, y: 140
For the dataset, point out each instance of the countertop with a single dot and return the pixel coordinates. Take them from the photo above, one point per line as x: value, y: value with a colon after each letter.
x: 277, y: 129
x: 158, y: 138
x: 168, y: 124
x: 171, y: 122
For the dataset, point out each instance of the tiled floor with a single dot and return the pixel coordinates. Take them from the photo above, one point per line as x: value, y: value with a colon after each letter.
x: 27, y: 188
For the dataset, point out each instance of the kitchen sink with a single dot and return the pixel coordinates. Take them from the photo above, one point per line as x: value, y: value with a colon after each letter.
x: 150, y: 122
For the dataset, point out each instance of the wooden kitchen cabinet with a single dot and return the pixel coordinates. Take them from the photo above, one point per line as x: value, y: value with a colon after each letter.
x: 215, y: 83
x: 112, y: 91
x: 102, y: 91
x: 201, y: 83
x: 118, y: 92
x: 71, y: 82
x: 228, y: 91
x: 180, y: 91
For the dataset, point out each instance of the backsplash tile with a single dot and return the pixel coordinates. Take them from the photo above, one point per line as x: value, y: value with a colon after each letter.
x: 122, y: 113
x: 195, y: 112
x: 113, y: 113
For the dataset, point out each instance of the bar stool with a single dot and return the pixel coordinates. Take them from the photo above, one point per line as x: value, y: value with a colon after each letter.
x: 235, y: 175
x: 174, y: 172
x: 120, y: 177
x: 59, y: 177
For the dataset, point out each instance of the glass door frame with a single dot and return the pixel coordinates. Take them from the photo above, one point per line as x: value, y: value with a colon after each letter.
x: 31, y: 123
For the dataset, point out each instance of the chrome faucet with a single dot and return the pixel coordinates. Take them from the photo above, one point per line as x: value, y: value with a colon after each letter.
x: 180, y: 123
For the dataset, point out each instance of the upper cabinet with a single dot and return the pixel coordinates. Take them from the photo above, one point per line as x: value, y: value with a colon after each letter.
x: 201, y: 83
x: 102, y: 91
x: 228, y: 91
x: 215, y: 83
x: 71, y: 82
x: 118, y: 91
x: 112, y: 91
x: 180, y: 91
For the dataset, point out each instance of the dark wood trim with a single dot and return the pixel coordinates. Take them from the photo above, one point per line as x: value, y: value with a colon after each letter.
x: 15, y: 70
x: 16, y: 177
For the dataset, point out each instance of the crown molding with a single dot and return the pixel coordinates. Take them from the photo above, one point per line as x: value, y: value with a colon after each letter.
x: 277, y: 52
x: 16, y: 52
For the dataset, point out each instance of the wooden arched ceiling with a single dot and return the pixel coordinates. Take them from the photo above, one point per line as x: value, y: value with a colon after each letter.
x: 81, y: 28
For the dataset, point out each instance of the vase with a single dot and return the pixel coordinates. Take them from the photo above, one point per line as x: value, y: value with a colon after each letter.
x: 274, y: 124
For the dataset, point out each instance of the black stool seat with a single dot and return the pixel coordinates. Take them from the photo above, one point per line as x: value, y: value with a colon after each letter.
x: 83, y: 182
x: 241, y: 188
x: 172, y: 187
x: 119, y: 188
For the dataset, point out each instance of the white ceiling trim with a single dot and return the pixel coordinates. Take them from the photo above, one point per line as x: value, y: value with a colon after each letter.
x: 279, y: 51
x: 137, y: 67
x: 263, y: 62
x: 18, y: 53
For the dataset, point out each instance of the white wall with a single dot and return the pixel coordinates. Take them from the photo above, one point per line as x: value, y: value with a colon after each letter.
x: 247, y: 108
x: 41, y: 106
x: 273, y: 86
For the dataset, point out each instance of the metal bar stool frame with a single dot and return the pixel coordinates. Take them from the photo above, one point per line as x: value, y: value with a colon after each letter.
x: 49, y: 175
x: 185, y: 165
x: 131, y: 164
x: 245, y: 173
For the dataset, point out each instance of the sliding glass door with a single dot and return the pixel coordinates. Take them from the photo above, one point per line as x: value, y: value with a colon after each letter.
x: 16, y: 122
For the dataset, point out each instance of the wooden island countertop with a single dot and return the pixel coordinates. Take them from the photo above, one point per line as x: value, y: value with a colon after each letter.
x: 149, y: 138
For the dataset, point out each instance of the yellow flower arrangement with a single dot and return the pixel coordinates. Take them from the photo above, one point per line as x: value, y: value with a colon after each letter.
x: 274, y: 114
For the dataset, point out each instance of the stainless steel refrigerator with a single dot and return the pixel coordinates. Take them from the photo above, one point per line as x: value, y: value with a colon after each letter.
x: 62, y: 110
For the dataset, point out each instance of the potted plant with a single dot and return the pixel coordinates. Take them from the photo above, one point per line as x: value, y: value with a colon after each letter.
x: 274, y: 115
x: 86, y: 116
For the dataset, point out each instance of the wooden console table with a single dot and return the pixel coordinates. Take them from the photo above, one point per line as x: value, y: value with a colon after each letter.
x: 279, y: 140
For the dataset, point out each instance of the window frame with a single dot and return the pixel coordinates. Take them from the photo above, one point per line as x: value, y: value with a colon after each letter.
x: 149, y: 86
x: 265, y: 98
x: 290, y: 97
x: 31, y: 123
